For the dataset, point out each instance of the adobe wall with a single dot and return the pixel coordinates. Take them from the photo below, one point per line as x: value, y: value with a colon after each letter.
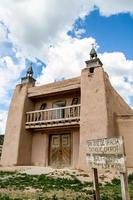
x: 40, y: 146
x: 75, y: 148
x: 39, y: 149
x: 115, y: 106
x: 100, y: 103
x: 55, y: 88
x: 17, y: 142
x: 93, y: 114
x: 62, y: 97
x: 125, y: 129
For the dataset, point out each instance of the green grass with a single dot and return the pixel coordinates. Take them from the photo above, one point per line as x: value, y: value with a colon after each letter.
x: 17, y: 186
x: 44, y: 186
x: 42, y: 182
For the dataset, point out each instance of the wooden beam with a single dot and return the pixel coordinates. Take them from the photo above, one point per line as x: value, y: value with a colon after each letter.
x: 124, y: 186
x: 95, y: 184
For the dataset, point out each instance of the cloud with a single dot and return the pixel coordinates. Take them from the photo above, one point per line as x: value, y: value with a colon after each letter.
x: 3, y: 33
x: 34, y: 25
x: 112, y: 7
x: 9, y: 74
x: 79, y: 32
x: 66, y: 59
x: 120, y: 71
x: 37, y: 28
x: 3, y: 118
x: 38, y: 23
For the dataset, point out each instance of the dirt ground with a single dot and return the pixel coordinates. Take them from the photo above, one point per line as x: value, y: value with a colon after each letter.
x: 104, y: 175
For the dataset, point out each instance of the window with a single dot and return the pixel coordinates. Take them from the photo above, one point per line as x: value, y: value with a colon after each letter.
x: 74, y: 110
x: 43, y: 106
x: 75, y: 101
x: 40, y: 116
x: 59, y: 113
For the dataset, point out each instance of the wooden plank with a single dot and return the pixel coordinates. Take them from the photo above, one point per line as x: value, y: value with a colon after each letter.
x: 110, y: 153
x: 124, y: 180
x: 124, y: 186
x: 95, y: 184
x: 106, y: 153
x: 53, y: 109
x: 66, y: 149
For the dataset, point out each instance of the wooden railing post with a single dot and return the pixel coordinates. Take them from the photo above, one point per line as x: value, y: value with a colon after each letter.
x: 53, y: 114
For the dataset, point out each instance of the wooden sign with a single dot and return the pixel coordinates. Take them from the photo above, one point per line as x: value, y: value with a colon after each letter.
x: 106, y: 153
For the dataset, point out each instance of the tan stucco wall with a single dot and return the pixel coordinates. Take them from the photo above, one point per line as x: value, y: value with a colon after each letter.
x: 93, y: 114
x: 115, y: 106
x: 55, y: 88
x: 17, y: 141
x: 75, y: 148
x: 62, y: 97
x: 39, y: 149
x: 125, y: 129
x: 40, y: 146
x: 100, y: 104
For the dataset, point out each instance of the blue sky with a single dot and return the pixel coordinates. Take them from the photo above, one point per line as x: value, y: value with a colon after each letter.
x: 57, y: 41
x: 112, y: 33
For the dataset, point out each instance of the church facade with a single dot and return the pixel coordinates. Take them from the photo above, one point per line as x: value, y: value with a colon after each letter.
x: 49, y: 125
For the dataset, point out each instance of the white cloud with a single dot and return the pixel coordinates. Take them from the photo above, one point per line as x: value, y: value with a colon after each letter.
x: 112, y: 7
x: 9, y: 74
x: 66, y: 59
x: 3, y: 118
x: 3, y: 33
x: 120, y: 71
x: 35, y: 24
x: 120, y: 65
x: 79, y: 32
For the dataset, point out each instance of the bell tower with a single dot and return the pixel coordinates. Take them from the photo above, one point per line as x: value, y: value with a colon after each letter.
x: 17, y: 143
x: 94, y: 61
x: 29, y: 77
x: 93, y: 114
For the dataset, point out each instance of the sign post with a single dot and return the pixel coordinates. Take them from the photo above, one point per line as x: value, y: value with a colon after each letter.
x: 108, y: 153
x: 95, y: 184
x: 124, y: 186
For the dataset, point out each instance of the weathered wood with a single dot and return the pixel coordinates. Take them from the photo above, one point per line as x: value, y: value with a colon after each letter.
x: 60, y: 150
x: 124, y: 180
x: 50, y: 125
x: 124, y: 186
x: 106, y: 153
x: 95, y: 184
x: 52, y: 116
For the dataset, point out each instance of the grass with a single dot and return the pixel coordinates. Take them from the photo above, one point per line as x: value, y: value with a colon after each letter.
x: 18, y: 186
x: 41, y: 187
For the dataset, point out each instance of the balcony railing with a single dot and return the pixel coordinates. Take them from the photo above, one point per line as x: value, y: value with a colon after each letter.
x: 68, y: 115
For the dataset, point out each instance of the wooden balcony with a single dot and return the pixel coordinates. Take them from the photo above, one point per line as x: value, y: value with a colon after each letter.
x: 55, y: 117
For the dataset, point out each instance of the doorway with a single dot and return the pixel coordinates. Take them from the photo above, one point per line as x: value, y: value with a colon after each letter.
x: 60, y: 150
x: 59, y: 113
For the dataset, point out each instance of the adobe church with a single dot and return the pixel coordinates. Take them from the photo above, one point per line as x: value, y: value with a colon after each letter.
x: 49, y: 125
